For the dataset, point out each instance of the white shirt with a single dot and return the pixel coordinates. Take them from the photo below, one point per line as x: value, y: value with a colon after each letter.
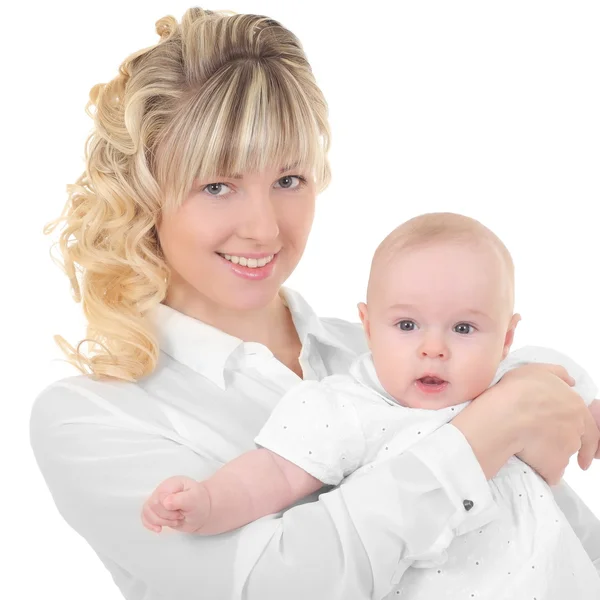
x: 345, y: 425
x: 104, y: 446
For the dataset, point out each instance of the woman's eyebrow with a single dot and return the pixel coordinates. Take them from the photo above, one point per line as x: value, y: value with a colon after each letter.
x: 239, y: 176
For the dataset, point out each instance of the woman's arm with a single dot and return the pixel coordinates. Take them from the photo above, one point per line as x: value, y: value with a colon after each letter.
x: 346, y: 544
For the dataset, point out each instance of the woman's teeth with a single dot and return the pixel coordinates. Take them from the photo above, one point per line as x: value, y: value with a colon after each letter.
x: 253, y: 263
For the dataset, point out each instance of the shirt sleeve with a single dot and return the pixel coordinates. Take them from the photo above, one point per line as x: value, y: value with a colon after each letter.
x: 584, y: 384
x: 583, y: 521
x: 350, y: 543
x: 316, y: 426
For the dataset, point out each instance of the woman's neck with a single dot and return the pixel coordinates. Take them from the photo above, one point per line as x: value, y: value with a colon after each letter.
x: 271, y: 325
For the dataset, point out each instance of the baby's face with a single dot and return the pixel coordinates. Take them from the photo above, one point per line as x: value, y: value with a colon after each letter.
x: 439, y: 322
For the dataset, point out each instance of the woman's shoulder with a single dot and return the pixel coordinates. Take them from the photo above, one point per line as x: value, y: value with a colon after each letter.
x: 349, y: 333
x: 84, y: 386
x: 80, y: 399
x: 339, y: 331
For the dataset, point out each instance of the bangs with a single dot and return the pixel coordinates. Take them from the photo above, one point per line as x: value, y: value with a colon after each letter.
x: 251, y: 115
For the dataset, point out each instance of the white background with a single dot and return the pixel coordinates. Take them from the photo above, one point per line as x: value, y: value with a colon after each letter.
x: 490, y: 109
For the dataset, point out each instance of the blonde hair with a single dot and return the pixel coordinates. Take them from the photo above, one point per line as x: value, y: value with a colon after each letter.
x: 441, y: 227
x: 219, y: 93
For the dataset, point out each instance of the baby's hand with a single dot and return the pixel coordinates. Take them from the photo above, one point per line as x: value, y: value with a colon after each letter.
x: 595, y: 410
x: 180, y: 503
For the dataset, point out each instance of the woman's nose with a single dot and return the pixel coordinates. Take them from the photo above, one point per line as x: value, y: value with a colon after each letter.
x: 259, y: 220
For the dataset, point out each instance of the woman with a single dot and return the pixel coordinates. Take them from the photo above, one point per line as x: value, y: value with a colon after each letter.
x: 198, y: 198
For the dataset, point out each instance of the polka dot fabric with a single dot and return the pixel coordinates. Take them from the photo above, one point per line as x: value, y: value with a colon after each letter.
x: 344, y: 425
x: 529, y: 552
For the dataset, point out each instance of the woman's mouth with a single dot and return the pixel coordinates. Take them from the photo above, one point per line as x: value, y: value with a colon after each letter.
x: 245, y: 261
x: 253, y: 268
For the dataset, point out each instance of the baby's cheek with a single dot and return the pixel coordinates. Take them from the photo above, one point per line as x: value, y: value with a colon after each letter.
x: 477, y: 378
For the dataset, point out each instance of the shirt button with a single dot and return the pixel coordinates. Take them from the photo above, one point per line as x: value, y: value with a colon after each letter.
x: 468, y: 504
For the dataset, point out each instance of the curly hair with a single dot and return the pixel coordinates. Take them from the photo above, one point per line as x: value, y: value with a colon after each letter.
x: 219, y: 93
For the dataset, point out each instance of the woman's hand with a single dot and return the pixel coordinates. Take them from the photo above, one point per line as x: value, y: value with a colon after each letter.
x: 557, y: 421
x: 595, y: 410
x: 532, y: 413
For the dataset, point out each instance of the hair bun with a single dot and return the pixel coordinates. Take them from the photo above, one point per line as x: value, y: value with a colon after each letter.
x: 95, y: 93
x: 165, y: 26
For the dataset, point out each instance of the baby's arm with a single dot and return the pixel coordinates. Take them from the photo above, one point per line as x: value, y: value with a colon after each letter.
x: 253, y: 485
x: 313, y: 426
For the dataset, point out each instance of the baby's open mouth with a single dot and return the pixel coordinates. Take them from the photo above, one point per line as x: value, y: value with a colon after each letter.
x: 429, y: 380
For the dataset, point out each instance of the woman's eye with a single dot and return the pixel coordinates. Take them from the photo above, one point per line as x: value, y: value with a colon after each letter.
x: 215, y: 189
x: 406, y: 325
x: 288, y: 182
x: 463, y: 328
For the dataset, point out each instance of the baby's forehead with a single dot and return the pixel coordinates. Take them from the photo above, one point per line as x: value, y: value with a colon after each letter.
x: 445, y: 278
x: 432, y: 251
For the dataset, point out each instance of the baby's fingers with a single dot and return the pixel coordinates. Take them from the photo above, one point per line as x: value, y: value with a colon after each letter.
x: 148, y: 523
x: 178, y: 501
x: 186, y: 501
x: 151, y: 520
x: 157, y: 505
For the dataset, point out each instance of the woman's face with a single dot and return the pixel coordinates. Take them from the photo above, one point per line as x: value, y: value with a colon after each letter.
x: 236, y: 239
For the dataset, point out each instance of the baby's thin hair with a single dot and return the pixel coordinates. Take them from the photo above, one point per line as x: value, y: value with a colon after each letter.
x: 439, y: 227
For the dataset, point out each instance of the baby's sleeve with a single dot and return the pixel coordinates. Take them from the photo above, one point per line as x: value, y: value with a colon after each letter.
x: 315, y: 426
x: 584, y: 384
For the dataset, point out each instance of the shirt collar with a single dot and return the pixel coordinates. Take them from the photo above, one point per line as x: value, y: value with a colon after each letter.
x: 206, y: 349
x: 363, y: 370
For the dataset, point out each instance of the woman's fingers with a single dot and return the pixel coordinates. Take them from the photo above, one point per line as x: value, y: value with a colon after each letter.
x: 559, y: 371
x: 590, y: 441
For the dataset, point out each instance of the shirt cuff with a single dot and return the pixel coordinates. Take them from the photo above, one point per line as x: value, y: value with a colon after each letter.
x: 417, y: 503
x: 449, y: 456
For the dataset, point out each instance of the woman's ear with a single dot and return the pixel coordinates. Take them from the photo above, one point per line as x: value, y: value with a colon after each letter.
x: 510, y: 334
x: 364, y: 317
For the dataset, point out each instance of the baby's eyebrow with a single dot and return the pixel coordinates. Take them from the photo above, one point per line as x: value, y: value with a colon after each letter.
x: 478, y: 313
x: 413, y: 309
x: 407, y: 307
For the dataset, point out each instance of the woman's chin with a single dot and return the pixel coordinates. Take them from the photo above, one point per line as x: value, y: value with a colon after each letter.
x: 254, y: 298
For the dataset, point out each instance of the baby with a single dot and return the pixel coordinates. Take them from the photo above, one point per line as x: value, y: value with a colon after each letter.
x: 439, y: 321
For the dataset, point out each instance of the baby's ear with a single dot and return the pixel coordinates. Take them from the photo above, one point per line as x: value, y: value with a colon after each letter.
x: 510, y: 334
x: 364, y: 317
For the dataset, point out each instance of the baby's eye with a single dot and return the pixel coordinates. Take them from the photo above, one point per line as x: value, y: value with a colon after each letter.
x: 215, y: 189
x: 463, y: 328
x: 406, y: 325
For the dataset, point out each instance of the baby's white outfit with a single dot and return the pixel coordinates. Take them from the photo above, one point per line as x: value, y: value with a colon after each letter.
x: 341, y: 426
